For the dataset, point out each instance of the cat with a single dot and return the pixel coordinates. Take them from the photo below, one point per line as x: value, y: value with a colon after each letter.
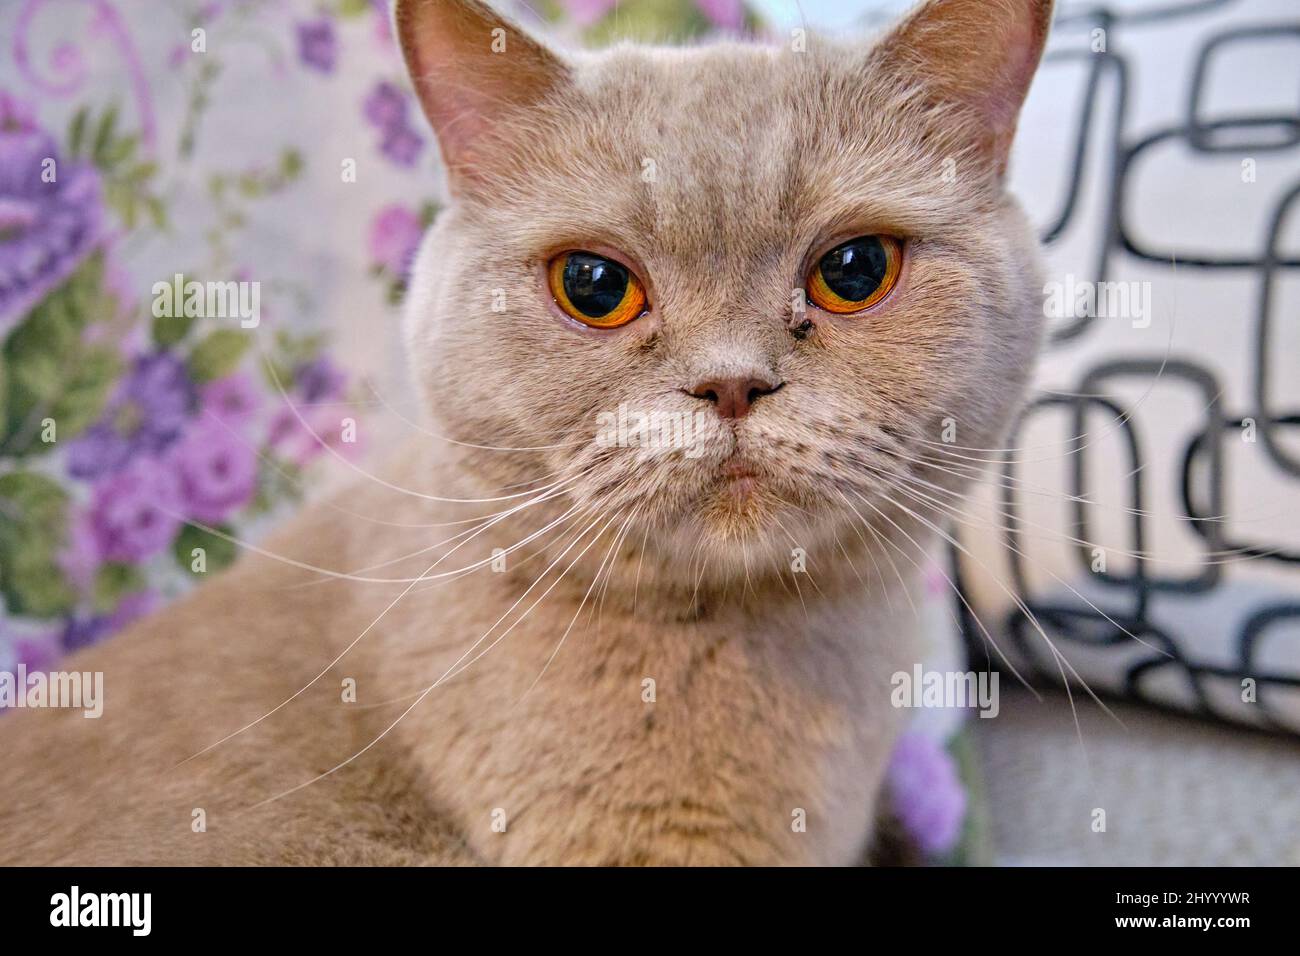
x: 536, y: 637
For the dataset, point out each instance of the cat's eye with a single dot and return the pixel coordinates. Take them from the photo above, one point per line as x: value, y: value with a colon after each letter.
x: 855, y: 275
x: 595, y: 290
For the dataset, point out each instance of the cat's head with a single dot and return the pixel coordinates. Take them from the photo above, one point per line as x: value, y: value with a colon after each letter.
x: 733, y: 287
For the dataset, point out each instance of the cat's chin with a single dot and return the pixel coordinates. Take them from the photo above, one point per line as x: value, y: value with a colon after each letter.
x: 736, y: 525
x: 742, y: 509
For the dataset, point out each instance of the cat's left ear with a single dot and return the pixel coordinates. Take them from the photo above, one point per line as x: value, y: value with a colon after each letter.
x: 978, y: 55
x: 473, y: 71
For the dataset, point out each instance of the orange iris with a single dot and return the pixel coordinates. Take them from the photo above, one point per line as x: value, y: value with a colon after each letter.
x: 595, y: 290
x: 856, y: 275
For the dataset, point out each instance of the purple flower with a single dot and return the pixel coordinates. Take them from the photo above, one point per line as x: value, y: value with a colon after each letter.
x: 726, y: 14
x: 33, y: 651
x: 134, y: 513
x: 50, y: 213
x: 99, y: 451
x: 83, y: 631
x: 383, y: 29
x: 402, y: 145
x: 586, y: 12
x: 317, y: 44
x: 319, y: 380
x: 35, y: 654
x: 80, y: 558
x: 232, y: 400
x: 385, y: 107
x: 144, y: 417
x: 394, y: 236
x: 217, y: 471
x: 301, y: 441
x: 26, y: 643
x: 927, y: 793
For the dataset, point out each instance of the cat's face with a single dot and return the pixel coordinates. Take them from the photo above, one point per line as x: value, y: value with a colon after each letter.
x: 717, y: 178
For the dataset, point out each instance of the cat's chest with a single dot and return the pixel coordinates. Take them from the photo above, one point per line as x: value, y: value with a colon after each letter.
x: 618, y: 741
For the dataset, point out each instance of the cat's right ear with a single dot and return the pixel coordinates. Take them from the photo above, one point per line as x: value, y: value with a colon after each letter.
x: 978, y: 56
x: 473, y: 70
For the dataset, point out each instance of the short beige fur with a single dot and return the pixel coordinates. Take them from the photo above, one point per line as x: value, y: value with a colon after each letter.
x: 492, y: 729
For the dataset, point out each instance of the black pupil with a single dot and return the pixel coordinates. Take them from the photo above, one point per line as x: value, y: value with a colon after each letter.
x: 854, y: 270
x: 595, y: 285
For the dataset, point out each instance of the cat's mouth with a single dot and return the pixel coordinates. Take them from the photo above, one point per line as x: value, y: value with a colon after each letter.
x: 740, y: 479
x: 739, y: 490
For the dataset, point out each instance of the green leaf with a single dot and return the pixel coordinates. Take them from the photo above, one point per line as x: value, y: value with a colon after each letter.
x: 86, y: 387
x: 51, y: 371
x: 33, y: 521
x: 34, y: 586
x: 650, y: 21
x: 85, y: 289
x: 277, y: 374
x: 113, y: 582
x: 30, y: 502
x: 168, y: 330
x: 280, y: 481
x: 4, y: 389
x: 143, y: 172
x: 104, y: 137
x: 218, y: 552
x: 119, y: 151
x: 218, y: 354
x: 122, y: 201
x: 71, y: 392
x: 429, y: 212
x: 157, y: 211
x: 291, y: 163
x: 77, y: 131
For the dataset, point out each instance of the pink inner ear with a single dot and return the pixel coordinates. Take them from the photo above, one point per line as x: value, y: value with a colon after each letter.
x: 440, y: 56
x: 997, y: 78
x: 982, y: 53
x: 464, y: 86
x: 1023, y: 45
x: 455, y: 109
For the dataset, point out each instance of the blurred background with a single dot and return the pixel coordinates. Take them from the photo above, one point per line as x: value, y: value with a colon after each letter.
x: 1142, y: 519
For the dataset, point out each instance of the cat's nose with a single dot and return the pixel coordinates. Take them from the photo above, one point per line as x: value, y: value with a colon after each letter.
x: 734, y: 397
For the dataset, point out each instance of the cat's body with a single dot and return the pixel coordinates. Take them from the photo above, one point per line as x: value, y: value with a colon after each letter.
x: 687, y: 657
x: 760, y: 710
